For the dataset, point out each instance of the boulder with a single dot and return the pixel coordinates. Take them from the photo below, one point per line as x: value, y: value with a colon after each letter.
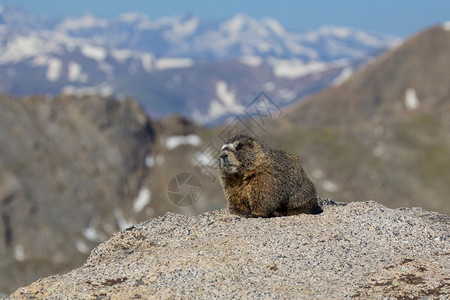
x: 360, y: 249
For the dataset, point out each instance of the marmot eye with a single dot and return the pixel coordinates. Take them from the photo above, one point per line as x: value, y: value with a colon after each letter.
x: 239, y: 146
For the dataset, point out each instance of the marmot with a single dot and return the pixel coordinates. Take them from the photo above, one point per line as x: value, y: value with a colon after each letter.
x: 263, y: 182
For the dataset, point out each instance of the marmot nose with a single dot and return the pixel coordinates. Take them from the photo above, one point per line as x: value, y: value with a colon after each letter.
x: 223, y: 156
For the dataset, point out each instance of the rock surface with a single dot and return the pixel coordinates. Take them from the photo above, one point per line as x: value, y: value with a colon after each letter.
x: 361, y: 249
x: 75, y: 170
x: 384, y: 134
x: 69, y: 170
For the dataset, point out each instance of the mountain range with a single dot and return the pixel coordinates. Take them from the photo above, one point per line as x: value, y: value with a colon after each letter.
x: 388, y: 136
x: 206, y: 70
x: 74, y: 170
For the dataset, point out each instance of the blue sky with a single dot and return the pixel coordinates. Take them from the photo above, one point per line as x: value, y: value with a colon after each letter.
x: 397, y: 17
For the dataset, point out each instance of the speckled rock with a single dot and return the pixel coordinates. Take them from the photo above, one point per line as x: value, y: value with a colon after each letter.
x: 360, y: 250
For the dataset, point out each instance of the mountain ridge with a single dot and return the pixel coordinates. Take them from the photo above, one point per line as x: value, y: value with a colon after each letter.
x: 115, y: 163
x: 417, y: 65
x: 88, y: 55
x: 383, y: 134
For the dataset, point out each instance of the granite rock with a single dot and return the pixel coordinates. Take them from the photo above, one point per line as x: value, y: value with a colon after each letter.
x: 357, y: 250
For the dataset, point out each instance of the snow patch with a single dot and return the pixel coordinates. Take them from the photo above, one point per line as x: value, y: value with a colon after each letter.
x: 235, y: 24
x: 40, y: 60
x: 329, y: 186
x: 104, y: 89
x: 53, y: 69
x: 227, y: 97
x: 173, y: 63
x: 19, y: 252
x: 146, y: 24
x: 411, y: 100
x: 107, y: 68
x: 274, y: 25
x: 75, y: 72
x: 186, y: 28
x: 252, y: 61
x: 175, y: 141
x: 142, y: 200
x: 149, y: 161
x: 216, y: 108
x: 341, y: 32
x: 81, y: 246
x: 147, y: 62
x: 94, y: 52
x: 85, y: 22
x: 20, y: 48
x: 286, y: 94
x: 295, y: 68
x: 369, y: 40
x: 226, y: 103
x: 379, y: 150
x: 121, y: 221
x: 132, y: 17
x: 270, y: 86
x: 203, y: 159
x: 345, y: 74
x: 92, y: 234
x: 121, y: 55
x: 446, y: 26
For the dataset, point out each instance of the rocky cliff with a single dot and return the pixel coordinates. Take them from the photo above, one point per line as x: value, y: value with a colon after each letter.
x: 69, y: 170
x: 74, y: 170
x: 357, y: 250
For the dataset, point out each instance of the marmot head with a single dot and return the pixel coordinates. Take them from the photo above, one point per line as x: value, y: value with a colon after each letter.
x: 240, y: 154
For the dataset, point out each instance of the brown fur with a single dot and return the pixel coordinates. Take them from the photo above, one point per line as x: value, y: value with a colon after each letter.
x: 262, y: 182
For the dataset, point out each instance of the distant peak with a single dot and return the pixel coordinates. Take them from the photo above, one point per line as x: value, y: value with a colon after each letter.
x: 83, y: 22
x: 446, y: 26
x: 341, y: 32
x: 274, y: 25
x: 132, y: 17
x: 236, y: 23
x: 240, y: 17
x: 241, y: 22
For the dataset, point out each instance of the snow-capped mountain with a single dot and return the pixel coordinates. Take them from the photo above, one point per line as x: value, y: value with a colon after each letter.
x: 240, y: 36
x: 202, y: 69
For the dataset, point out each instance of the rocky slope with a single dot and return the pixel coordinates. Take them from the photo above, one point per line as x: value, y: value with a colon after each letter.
x: 75, y: 170
x: 384, y: 134
x: 358, y: 250
x: 58, y: 157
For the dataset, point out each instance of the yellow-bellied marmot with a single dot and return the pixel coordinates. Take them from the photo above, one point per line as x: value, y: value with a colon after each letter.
x: 262, y: 182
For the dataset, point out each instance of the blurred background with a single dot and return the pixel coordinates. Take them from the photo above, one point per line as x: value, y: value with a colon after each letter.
x: 112, y: 112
